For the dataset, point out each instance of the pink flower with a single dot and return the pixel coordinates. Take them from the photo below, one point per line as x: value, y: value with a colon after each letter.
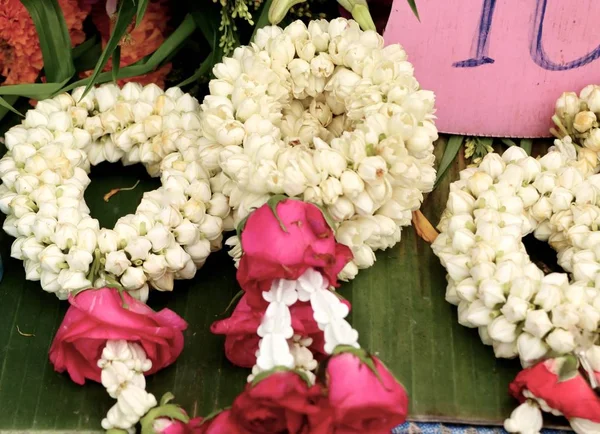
x: 169, y: 426
x: 97, y: 315
x: 220, y: 424
x: 574, y: 397
x: 280, y: 403
x: 360, y: 400
x: 241, y: 341
x: 285, y: 245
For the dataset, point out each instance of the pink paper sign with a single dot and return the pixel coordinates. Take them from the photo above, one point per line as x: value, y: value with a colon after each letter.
x: 498, y: 66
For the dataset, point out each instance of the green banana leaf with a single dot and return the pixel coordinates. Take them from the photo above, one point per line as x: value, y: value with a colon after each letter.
x: 398, y: 308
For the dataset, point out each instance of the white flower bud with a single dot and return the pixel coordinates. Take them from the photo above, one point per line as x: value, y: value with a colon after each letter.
x: 70, y: 280
x: 567, y: 105
x: 170, y: 217
x: 155, y: 266
x: 211, y: 227
x: 551, y: 289
x: 164, y: 283
x: 176, y: 258
x: 138, y: 248
x: 116, y: 262
x: 479, y: 315
x: 186, y: 233
x: 133, y: 278
x: 491, y: 293
x: 531, y: 349
x: 87, y: 240
x: 584, y: 121
x: 525, y: 419
x: 537, y: 323
x: 108, y: 240
x: 515, y: 309
x: 31, y: 249
x: 589, y: 318
x: 561, y: 341
x: 218, y: 205
x: 52, y: 259
x: 199, y: 251
x: 342, y: 209
x: 160, y: 237
x: 49, y: 281
x: 79, y: 259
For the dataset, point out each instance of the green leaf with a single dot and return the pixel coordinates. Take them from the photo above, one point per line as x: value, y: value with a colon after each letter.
x: 116, y: 63
x: 450, y: 153
x: 569, y: 368
x: 508, y: 142
x: 263, y: 18
x: 87, y: 61
x: 6, y: 105
x: 166, y: 398
x: 55, y: 41
x: 84, y: 47
x: 141, y: 10
x: 207, y: 17
x: 413, y: 7
x: 185, y: 29
x: 171, y: 411
x: 205, y: 67
x: 125, y: 14
x: 37, y: 91
x: 526, y: 144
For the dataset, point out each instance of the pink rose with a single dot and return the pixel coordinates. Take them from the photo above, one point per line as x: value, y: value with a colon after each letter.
x: 359, y: 400
x: 270, y: 252
x: 220, y: 424
x: 97, y: 315
x: 574, y: 397
x: 241, y: 341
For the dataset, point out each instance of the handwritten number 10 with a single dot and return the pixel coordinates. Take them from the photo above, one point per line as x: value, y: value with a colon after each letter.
x: 536, y: 48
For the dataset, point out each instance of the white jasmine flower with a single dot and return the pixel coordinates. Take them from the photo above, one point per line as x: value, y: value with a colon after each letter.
x: 531, y: 349
x: 515, y: 309
x: 69, y: 280
x: 537, y: 323
x: 561, y: 341
x: 525, y: 419
x: 133, y: 278
x: 117, y: 262
x: 479, y: 315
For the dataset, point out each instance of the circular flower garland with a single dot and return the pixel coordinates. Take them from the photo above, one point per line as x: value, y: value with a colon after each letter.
x: 518, y: 309
x: 45, y: 173
x: 327, y: 114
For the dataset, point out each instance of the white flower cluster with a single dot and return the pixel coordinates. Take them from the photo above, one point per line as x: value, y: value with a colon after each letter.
x: 491, y: 278
x: 327, y: 114
x: 45, y: 173
x: 577, y: 117
x: 279, y: 346
x: 123, y: 365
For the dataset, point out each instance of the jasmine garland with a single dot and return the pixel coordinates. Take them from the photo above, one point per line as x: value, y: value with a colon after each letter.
x: 45, y: 173
x: 327, y: 114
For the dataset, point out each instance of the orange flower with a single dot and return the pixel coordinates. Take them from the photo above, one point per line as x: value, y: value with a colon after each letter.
x: 20, y: 55
x: 138, y: 42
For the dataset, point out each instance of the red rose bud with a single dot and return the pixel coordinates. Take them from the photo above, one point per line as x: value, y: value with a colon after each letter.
x: 98, y: 315
x: 568, y: 392
x: 279, y: 403
x: 363, y: 396
x: 281, y: 240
